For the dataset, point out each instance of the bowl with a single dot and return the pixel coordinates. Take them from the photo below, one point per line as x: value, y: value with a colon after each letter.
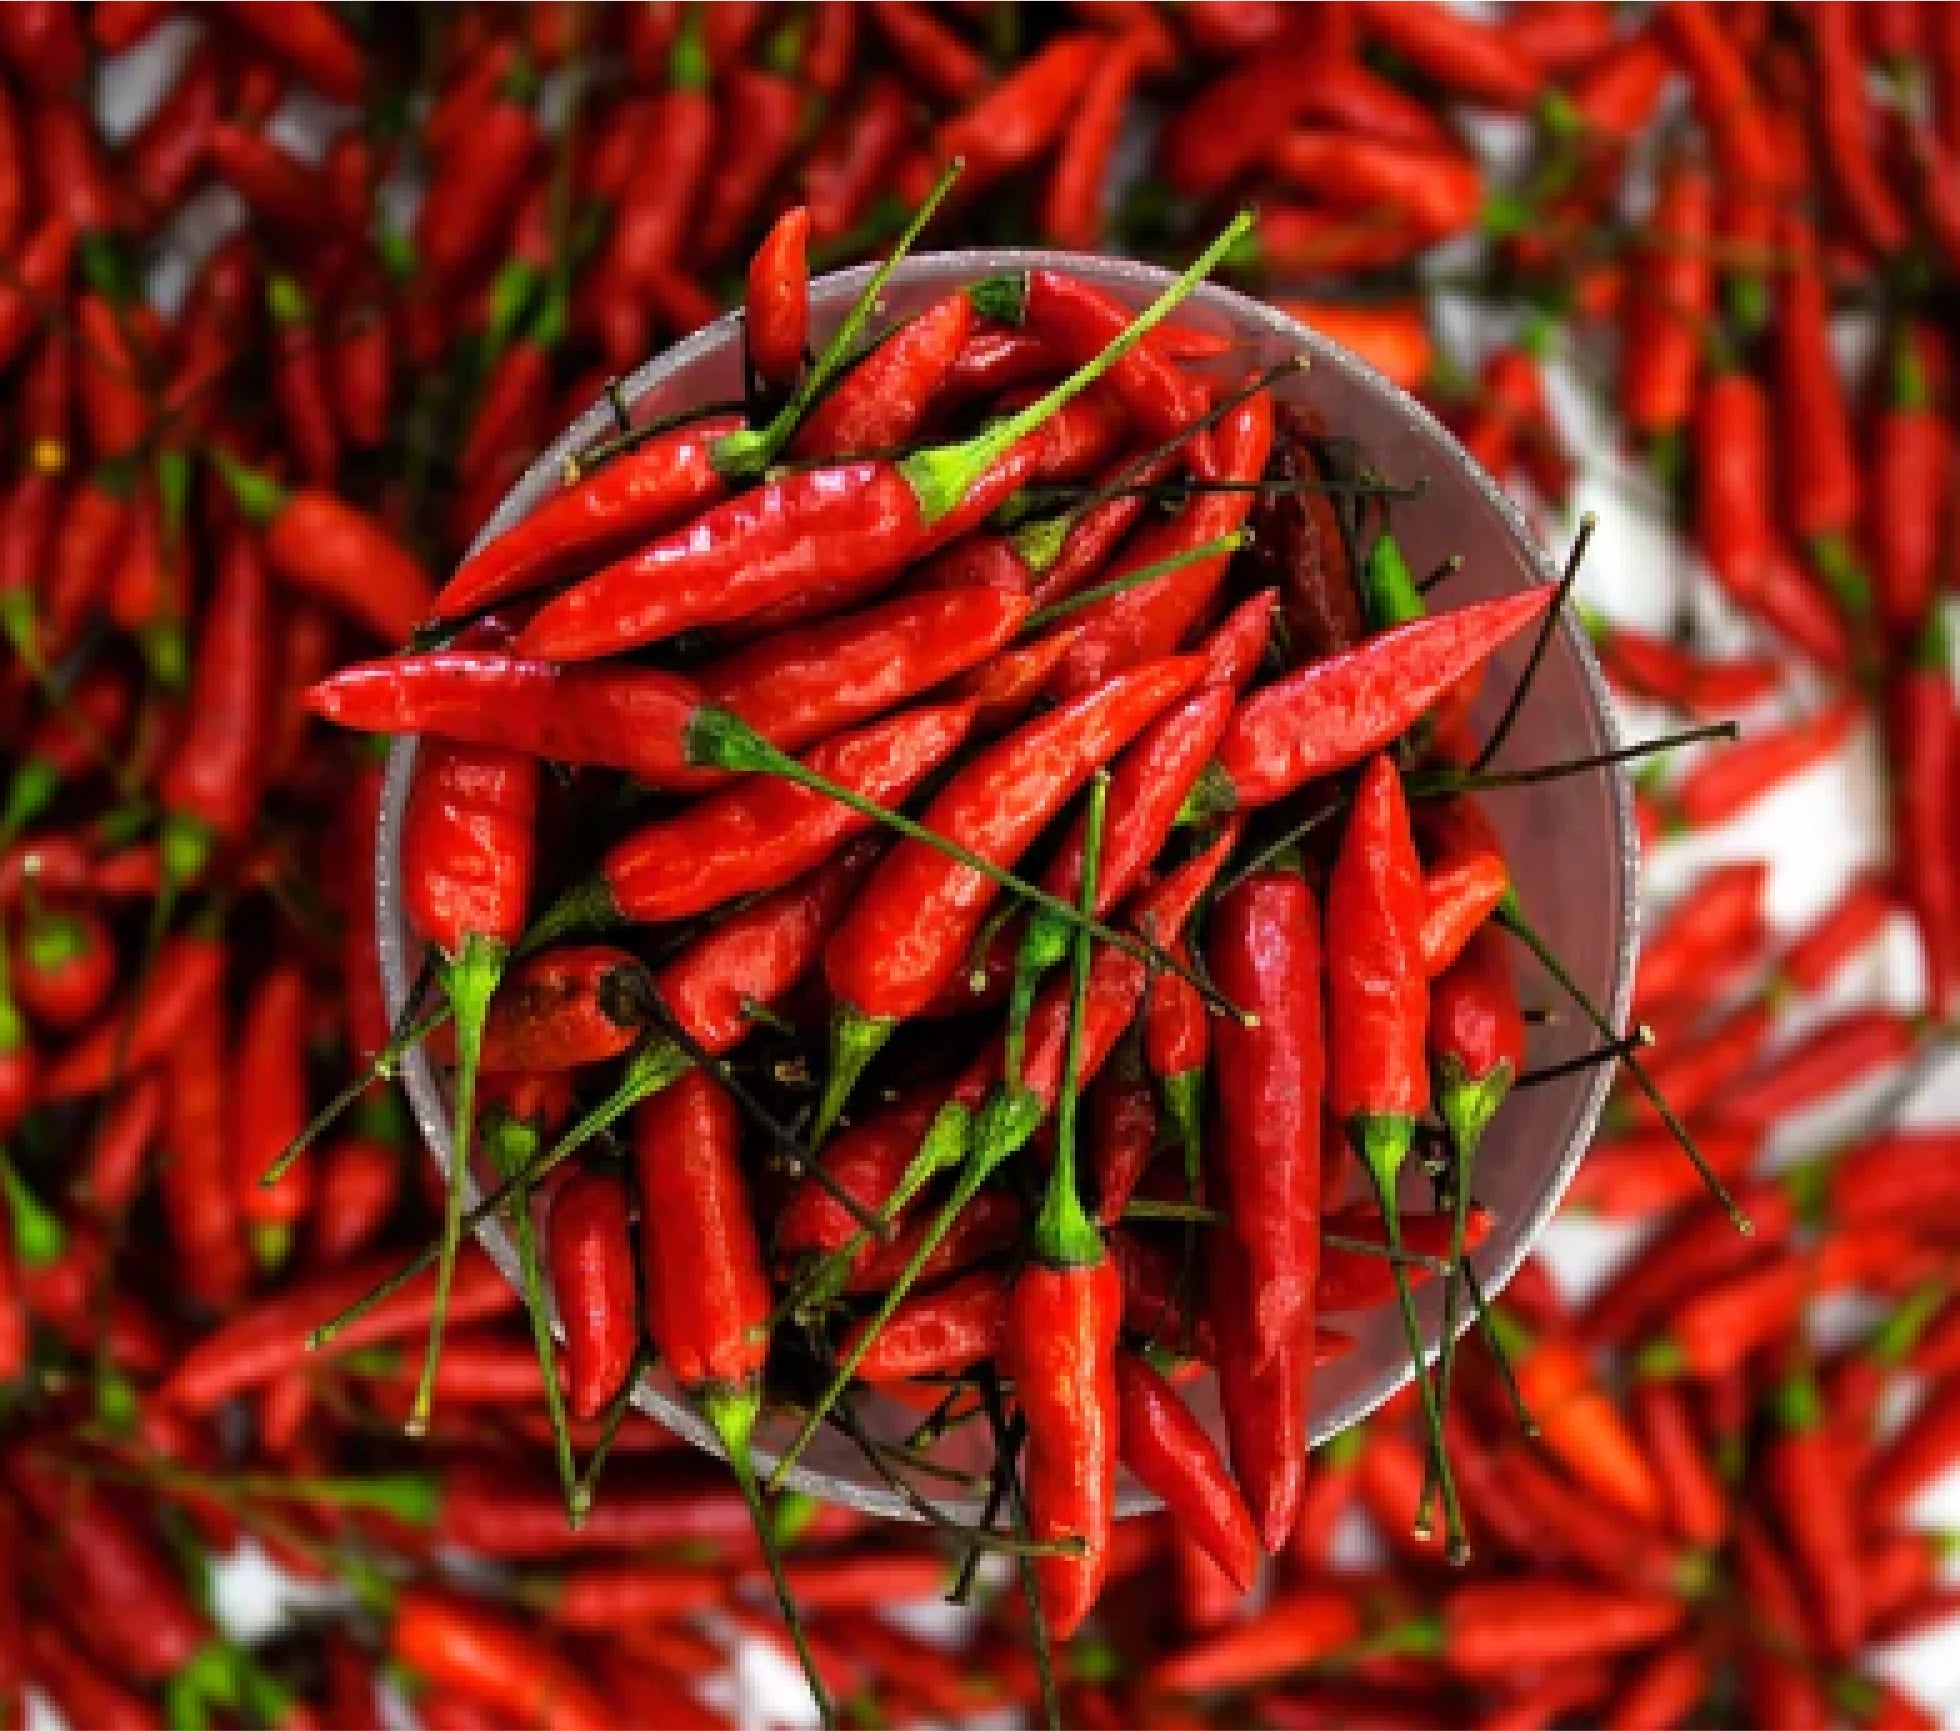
x: 1571, y: 841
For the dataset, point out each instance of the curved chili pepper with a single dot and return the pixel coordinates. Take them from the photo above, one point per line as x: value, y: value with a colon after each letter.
x: 1911, y: 461
x: 880, y: 404
x: 1298, y: 1627
x: 310, y: 40
x: 1656, y: 671
x: 762, y: 831
x: 961, y: 1324
x: 472, y: 191
x: 637, y: 496
x: 1464, y: 880
x: 88, y: 547
x: 284, y: 191
x: 82, y: 1691
x: 1264, y: 952
x: 257, y: 1346
x: 915, y: 921
x: 1845, y: 124
x: 115, y: 409
x: 1122, y: 1134
x: 1330, y: 715
x: 1018, y: 118
x: 1723, y: 907
x: 590, y: 1255
x: 848, y: 167
x: 1923, y: 736
x: 129, y: 1131
x: 362, y: 365
x: 778, y: 300
x: 1170, y: 1454
x: 1810, y: 1498
x: 763, y: 116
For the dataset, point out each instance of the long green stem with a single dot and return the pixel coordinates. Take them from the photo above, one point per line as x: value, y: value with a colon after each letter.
x: 731, y: 1414
x: 469, y: 982
x: 1522, y: 690
x: 1221, y: 547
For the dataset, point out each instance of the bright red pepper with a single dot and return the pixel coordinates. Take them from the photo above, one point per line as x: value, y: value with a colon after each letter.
x: 590, y: 1255
x: 777, y: 307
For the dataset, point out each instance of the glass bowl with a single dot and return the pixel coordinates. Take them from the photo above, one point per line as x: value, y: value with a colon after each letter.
x: 1571, y: 841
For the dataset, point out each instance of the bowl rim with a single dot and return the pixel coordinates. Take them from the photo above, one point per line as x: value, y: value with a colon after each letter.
x: 545, y: 473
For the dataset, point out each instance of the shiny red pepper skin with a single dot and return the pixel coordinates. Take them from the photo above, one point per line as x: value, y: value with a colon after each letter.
x: 706, y: 1290
x: 881, y: 404
x: 762, y: 547
x: 917, y: 918
x: 1078, y: 321
x: 1464, y: 877
x: 762, y: 831
x: 1922, y: 730
x: 469, y: 844
x: 1264, y: 952
x: 580, y: 1004
x: 1466, y: 55
x: 1020, y: 116
x: 777, y: 306
x: 1329, y: 715
x: 1157, y: 617
x: 1850, y: 151
x: 322, y: 546
x: 1060, y: 1349
x: 1377, y: 994
x: 1172, y: 1456
x: 961, y: 1324
x: 755, y: 955
x: 589, y: 1250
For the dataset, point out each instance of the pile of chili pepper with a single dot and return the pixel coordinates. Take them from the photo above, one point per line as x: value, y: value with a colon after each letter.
x: 958, y: 1175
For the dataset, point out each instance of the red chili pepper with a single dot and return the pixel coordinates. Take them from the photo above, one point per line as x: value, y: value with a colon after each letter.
x: 1614, y: 97
x: 1300, y: 1626
x: 1122, y: 1134
x: 1910, y: 472
x: 1726, y: 783
x: 324, y: 547
x: 763, y: 831
x: 991, y: 1222
x: 81, y: 1690
x: 40, y: 275
x: 881, y: 403
x: 1171, y: 1455
x: 1722, y: 908
x: 1264, y: 952
x: 778, y: 301
x: 961, y: 1324
x: 1700, y: 1248
x: 1019, y: 118
x: 1468, y: 56
x: 64, y: 967
x: 145, y: 1622
x: 707, y: 1291
x: 1845, y: 124
x: 87, y: 549
x: 359, y: 1185
x: 283, y: 191
x: 1923, y: 735
x: 299, y: 384
x: 186, y: 970
x: 1642, y: 1174
x: 362, y: 365
x: 1672, y: 300
x: 458, y: 1643
x: 1392, y: 337
x: 763, y: 118
x: 659, y: 198
x: 1436, y: 193
x: 1155, y: 618
x: 130, y: 1129
x: 847, y: 169
x: 1653, y: 670
x: 1696, y: 1501
x: 636, y: 497
x: 916, y: 920
x: 930, y: 51
x: 1330, y: 715
x: 1812, y: 1504
x: 1072, y: 213
x: 474, y: 189
x: 310, y: 40
x: 269, y: 1107
x: 1464, y: 881
x: 590, y: 1255
x: 258, y: 1345
x: 210, y: 785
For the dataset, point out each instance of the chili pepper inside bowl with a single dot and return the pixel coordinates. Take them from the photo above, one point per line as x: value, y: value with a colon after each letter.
x: 1569, y: 840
